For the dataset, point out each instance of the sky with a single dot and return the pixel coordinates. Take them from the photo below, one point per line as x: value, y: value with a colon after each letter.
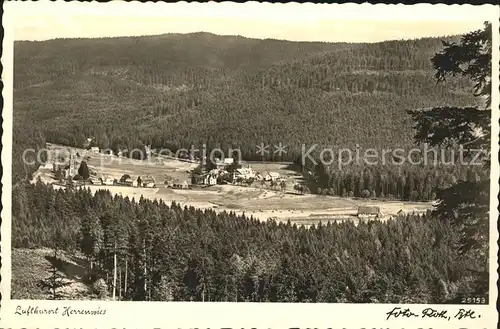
x: 44, y: 20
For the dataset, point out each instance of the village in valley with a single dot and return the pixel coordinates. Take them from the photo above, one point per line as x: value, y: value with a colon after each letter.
x: 266, y: 191
x: 65, y: 164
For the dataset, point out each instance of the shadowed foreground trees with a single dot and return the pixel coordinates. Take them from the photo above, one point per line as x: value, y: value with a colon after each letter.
x: 465, y: 204
x: 151, y: 251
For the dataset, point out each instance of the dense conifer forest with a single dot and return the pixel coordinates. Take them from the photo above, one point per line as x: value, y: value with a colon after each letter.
x: 148, y: 250
x: 172, y: 91
x: 181, y: 90
x: 231, y: 92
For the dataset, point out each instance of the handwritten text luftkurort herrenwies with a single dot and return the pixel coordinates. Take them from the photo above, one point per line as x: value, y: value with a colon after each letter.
x: 64, y: 311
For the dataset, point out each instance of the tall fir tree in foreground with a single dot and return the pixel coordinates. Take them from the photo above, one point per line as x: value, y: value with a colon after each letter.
x: 465, y: 204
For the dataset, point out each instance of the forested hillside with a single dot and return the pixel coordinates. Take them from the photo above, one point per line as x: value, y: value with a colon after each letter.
x: 27, y: 135
x: 177, y: 90
x: 148, y: 250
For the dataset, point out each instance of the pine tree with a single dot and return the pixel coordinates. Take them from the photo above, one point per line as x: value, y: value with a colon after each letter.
x: 83, y: 170
x: 465, y: 204
x: 56, y: 280
x: 91, y: 237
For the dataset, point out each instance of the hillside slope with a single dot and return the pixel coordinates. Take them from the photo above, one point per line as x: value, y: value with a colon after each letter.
x: 177, y: 90
x: 30, y: 266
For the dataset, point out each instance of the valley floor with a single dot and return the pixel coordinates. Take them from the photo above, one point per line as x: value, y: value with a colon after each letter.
x: 258, y: 202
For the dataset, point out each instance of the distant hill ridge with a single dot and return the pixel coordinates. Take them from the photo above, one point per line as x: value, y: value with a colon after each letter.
x: 221, y: 36
x: 174, y: 90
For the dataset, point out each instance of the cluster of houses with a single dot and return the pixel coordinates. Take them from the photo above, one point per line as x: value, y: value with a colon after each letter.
x: 125, y: 180
x: 140, y: 181
x: 222, y: 172
x: 227, y: 171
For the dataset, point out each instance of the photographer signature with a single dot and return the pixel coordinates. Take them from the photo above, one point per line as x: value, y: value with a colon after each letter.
x: 462, y: 313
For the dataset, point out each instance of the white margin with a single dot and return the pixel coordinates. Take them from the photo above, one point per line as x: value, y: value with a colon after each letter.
x: 239, y: 315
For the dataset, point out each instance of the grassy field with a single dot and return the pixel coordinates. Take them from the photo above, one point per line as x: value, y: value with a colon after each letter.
x: 258, y: 201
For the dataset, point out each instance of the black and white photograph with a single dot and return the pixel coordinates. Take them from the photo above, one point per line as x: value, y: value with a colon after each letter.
x: 251, y: 153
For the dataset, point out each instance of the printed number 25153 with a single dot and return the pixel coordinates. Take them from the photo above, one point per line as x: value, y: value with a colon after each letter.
x: 473, y: 300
